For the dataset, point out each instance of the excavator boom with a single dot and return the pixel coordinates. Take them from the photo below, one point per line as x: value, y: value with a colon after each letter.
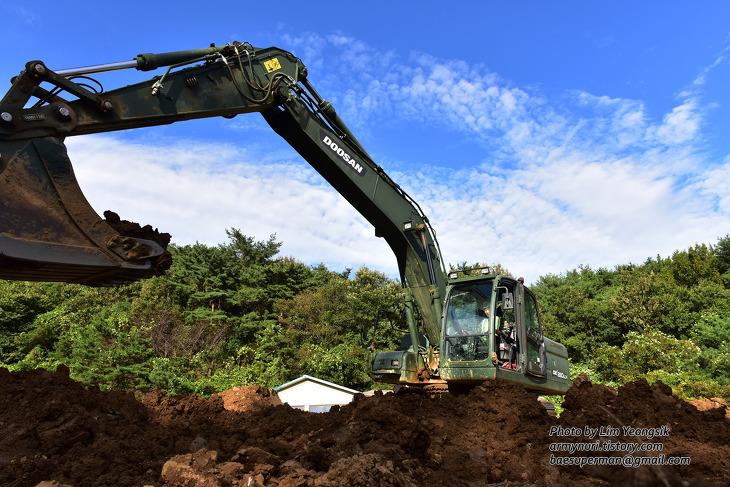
x: 49, y: 232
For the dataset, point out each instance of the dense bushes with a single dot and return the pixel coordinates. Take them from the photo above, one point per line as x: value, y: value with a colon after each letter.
x: 223, y: 316
x: 238, y: 314
x: 667, y: 319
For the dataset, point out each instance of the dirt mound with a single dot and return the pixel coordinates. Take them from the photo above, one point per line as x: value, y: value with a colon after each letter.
x: 649, y: 415
x: 55, y: 430
x: 712, y: 403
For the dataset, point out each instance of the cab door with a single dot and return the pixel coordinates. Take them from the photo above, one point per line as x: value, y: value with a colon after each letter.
x: 530, y: 331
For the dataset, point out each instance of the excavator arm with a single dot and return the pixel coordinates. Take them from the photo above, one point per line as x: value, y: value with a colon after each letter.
x: 49, y: 232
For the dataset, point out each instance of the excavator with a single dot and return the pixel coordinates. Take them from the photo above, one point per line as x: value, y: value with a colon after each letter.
x: 461, y: 330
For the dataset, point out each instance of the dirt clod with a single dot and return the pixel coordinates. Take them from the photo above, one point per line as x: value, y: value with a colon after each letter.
x: 135, y: 230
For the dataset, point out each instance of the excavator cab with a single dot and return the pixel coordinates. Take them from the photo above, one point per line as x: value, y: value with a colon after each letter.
x: 490, y: 329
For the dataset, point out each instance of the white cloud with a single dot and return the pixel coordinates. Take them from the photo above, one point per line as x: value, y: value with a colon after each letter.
x: 680, y: 125
x: 702, y: 76
x: 715, y: 187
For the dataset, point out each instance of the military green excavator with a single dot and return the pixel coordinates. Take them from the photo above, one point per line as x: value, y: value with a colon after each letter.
x: 461, y: 331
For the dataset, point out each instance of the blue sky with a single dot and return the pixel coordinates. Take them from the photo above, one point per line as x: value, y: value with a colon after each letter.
x: 538, y: 135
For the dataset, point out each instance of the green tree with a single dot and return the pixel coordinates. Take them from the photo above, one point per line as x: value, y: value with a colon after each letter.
x: 576, y: 310
x: 696, y: 264
x: 20, y: 305
x: 722, y: 252
x: 108, y: 351
x: 323, y: 326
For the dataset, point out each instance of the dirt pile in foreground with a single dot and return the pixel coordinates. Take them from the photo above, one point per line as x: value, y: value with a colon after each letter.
x: 54, y: 430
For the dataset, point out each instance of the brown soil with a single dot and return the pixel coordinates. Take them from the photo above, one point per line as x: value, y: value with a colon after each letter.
x: 712, y: 403
x: 55, y: 432
x: 135, y: 230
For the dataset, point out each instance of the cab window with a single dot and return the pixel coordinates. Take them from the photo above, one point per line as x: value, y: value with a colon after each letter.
x: 467, y: 311
x: 467, y: 322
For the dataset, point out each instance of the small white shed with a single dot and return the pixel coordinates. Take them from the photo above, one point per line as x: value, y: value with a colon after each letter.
x: 314, y: 395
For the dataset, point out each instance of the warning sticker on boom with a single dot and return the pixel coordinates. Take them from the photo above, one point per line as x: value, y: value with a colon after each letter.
x: 272, y: 65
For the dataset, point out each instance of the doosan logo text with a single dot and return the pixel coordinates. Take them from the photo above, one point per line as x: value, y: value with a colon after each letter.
x: 343, y: 155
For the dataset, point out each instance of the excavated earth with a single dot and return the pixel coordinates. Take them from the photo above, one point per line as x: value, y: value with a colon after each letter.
x: 53, y: 432
x: 133, y: 229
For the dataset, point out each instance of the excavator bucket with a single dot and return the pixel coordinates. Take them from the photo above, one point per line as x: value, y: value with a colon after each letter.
x: 49, y: 232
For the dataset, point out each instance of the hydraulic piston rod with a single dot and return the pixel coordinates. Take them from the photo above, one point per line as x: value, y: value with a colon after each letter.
x: 147, y: 62
x: 99, y: 68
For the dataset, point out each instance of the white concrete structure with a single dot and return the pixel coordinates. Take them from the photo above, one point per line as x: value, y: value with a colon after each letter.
x: 314, y: 395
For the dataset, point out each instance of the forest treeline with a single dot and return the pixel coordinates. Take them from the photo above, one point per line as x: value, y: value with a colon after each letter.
x: 238, y: 313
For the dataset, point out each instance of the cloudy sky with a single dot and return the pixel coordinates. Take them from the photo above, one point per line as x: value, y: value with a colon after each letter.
x: 538, y: 135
